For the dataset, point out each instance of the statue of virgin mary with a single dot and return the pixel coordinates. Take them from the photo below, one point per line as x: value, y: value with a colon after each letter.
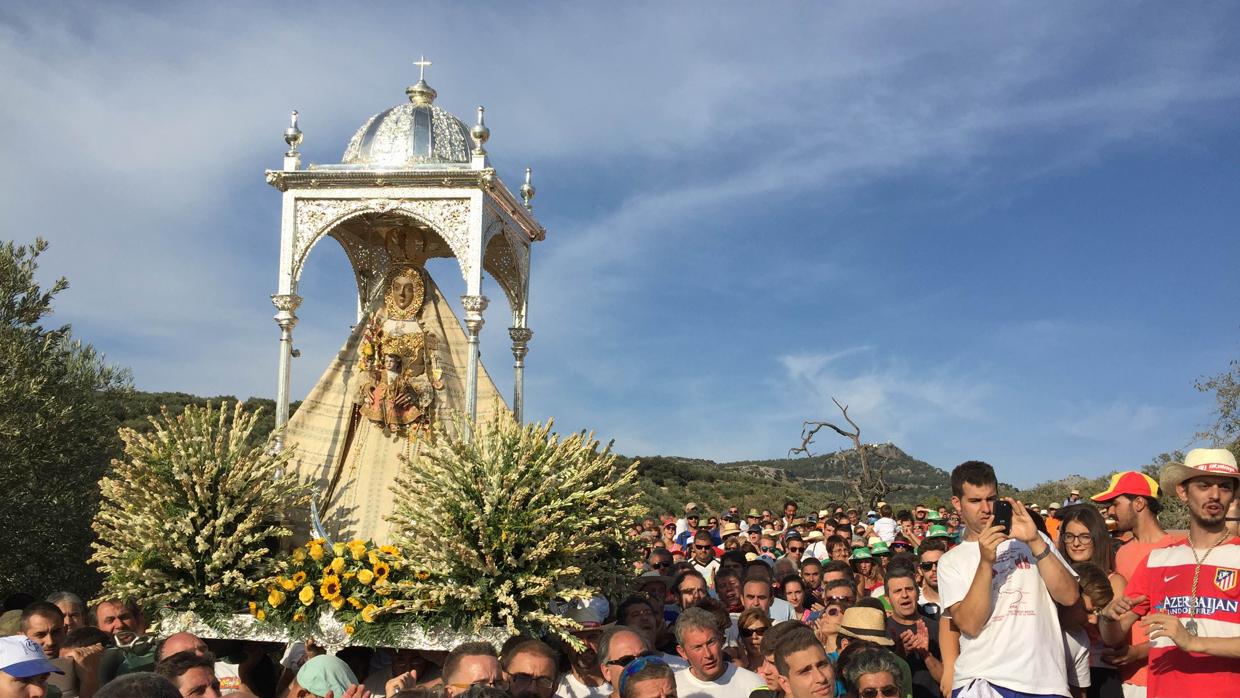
x: 400, y: 370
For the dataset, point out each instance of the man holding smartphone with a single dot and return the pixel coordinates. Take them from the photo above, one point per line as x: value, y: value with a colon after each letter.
x: 1001, y: 585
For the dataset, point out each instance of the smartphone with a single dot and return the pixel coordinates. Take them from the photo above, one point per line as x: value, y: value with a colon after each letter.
x: 1003, y: 516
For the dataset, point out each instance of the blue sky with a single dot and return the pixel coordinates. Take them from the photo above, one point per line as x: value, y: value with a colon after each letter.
x: 1002, y: 231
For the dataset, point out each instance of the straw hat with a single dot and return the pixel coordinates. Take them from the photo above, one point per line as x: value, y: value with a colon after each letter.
x: 1199, y: 462
x: 813, y: 537
x: 730, y: 528
x: 865, y: 623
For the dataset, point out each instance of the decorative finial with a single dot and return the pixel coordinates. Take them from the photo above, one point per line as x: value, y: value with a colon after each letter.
x: 527, y: 189
x: 292, y: 136
x: 480, y: 133
x: 421, y: 93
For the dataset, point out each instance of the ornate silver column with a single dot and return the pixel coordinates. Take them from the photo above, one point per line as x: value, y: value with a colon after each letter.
x: 474, y: 306
x: 286, y: 318
x: 521, y: 337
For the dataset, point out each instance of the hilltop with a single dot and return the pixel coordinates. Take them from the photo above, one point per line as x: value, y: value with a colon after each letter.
x: 668, y: 482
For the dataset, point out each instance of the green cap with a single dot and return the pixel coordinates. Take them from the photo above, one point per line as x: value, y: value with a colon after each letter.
x: 861, y: 554
x: 880, y: 548
x: 938, y: 531
x: 933, y: 515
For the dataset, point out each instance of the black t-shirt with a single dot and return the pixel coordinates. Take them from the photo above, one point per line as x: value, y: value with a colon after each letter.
x: 924, y: 685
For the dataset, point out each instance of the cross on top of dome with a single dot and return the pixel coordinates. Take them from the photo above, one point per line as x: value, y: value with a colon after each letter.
x: 420, y: 92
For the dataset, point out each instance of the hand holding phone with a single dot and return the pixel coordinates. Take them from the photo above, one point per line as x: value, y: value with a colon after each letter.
x: 1003, y: 516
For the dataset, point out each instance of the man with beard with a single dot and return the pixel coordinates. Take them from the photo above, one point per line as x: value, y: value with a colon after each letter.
x: 928, y: 555
x: 585, y: 678
x: 530, y: 669
x: 1187, y: 595
x: 700, y: 643
x: 1132, y: 500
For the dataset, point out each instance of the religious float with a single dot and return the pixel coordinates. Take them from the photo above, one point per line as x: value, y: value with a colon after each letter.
x: 404, y: 503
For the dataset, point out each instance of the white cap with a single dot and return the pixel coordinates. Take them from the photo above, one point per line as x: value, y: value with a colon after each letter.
x: 21, y: 658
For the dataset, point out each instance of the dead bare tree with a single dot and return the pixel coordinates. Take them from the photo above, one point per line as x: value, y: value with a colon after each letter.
x: 865, y: 478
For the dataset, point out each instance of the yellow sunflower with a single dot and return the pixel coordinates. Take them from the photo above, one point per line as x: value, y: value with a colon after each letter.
x: 299, y: 617
x: 306, y: 596
x: 390, y: 550
x: 422, y: 575
x: 381, y: 570
x: 299, y: 578
x: 330, y: 588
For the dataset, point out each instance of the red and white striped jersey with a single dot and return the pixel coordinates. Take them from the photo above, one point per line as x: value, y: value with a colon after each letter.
x: 1166, y: 579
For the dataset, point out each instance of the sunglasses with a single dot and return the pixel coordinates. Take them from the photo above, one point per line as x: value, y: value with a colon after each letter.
x: 624, y: 661
x: 749, y: 632
x: 927, y: 566
x: 796, y: 550
x: 703, y: 547
x: 885, y: 692
x: 527, y: 679
x: 767, y: 548
x: 660, y: 565
x: 840, y: 599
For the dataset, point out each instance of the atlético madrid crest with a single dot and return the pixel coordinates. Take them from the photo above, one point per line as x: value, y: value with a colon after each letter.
x: 1225, y: 578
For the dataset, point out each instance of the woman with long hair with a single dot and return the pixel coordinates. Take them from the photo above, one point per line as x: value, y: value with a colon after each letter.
x: 827, y: 627
x: 1083, y: 537
x: 793, y: 590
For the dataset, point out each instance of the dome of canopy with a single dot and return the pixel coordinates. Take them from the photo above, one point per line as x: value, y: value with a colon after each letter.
x: 410, y: 135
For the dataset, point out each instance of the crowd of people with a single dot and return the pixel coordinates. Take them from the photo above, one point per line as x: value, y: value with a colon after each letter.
x: 989, y: 597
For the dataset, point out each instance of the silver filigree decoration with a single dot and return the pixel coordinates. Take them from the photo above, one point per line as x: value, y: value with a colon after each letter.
x: 409, y: 135
x: 315, y: 218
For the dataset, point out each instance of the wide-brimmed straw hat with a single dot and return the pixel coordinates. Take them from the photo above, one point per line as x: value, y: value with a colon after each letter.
x: 1199, y: 462
x: 729, y: 529
x: 865, y: 623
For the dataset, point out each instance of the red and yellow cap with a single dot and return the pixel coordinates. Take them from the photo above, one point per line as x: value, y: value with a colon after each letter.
x: 1128, y: 482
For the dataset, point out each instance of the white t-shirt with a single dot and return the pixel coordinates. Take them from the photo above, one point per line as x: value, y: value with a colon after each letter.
x: 571, y: 687
x: 1076, y: 655
x: 817, y: 550
x: 1017, y: 648
x: 708, y: 570
x: 734, y: 683
x: 885, y: 528
x: 780, y: 611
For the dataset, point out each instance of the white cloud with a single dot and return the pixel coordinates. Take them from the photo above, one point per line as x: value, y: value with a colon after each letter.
x: 139, y: 138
